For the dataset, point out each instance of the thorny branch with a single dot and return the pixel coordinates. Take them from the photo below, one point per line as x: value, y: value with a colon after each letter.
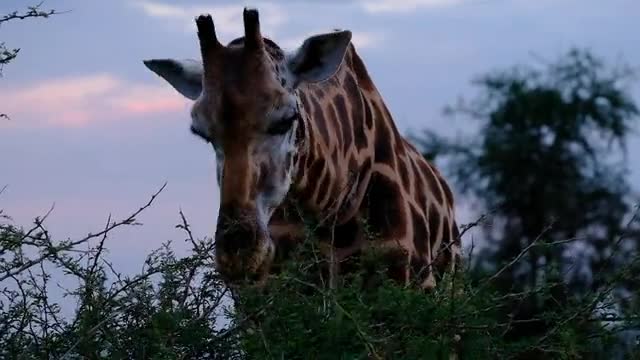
x: 600, y: 294
x: 51, y: 250
x: 28, y: 311
x: 521, y: 254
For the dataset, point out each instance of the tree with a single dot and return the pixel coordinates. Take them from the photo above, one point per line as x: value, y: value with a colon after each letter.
x: 549, y: 161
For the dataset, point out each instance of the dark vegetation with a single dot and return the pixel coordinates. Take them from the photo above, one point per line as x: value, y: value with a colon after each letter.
x: 555, y: 277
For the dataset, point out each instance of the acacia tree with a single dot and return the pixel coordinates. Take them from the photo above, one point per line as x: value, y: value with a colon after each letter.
x: 549, y: 162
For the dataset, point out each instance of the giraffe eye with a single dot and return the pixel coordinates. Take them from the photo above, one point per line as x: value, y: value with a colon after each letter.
x: 282, y: 126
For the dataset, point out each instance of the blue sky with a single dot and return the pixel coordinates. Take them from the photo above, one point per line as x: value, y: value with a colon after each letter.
x: 94, y: 132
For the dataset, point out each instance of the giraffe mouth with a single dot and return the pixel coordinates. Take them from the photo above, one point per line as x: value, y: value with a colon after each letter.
x: 246, y: 266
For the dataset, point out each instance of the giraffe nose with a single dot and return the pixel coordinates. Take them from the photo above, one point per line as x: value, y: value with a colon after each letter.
x: 240, y: 244
x: 237, y: 230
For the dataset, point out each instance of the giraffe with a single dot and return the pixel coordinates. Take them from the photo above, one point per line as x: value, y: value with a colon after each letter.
x: 310, y: 127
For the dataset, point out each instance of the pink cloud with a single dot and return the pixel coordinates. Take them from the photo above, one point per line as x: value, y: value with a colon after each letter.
x: 70, y: 118
x: 144, y: 107
x: 80, y: 101
x: 149, y: 99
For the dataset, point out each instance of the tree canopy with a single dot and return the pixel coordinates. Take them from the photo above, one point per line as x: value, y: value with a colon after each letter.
x: 549, y: 162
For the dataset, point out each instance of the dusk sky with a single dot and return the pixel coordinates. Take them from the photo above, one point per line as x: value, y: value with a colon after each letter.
x: 94, y: 132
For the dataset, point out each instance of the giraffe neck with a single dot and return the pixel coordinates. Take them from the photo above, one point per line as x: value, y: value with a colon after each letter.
x: 353, y: 165
x: 340, y: 117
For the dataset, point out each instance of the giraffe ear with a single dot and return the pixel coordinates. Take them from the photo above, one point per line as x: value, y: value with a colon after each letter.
x: 319, y: 56
x: 184, y: 75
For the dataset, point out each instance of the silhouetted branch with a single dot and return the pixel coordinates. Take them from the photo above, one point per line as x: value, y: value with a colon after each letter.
x: 7, y: 54
x: 32, y: 12
x: 50, y: 250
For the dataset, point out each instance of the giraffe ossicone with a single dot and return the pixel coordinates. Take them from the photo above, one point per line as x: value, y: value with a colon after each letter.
x: 310, y: 126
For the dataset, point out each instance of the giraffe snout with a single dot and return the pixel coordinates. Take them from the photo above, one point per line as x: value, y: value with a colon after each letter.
x: 243, y: 248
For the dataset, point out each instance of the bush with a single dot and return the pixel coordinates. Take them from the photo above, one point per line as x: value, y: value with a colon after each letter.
x: 176, y: 308
x: 295, y: 318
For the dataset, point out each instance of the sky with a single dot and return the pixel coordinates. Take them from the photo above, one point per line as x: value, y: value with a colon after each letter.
x: 93, y: 132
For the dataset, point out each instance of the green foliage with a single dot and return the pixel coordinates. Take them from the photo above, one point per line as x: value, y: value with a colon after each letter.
x: 174, y: 307
x: 304, y: 319
x: 171, y: 310
x: 549, y: 159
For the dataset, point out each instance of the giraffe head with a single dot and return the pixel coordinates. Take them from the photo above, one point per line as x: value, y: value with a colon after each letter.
x: 246, y: 106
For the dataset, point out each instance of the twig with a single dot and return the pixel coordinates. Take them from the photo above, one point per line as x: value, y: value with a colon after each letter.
x: 521, y: 254
x: 53, y: 250
x: 363, y: 336
x: 590, y: 306
x: 90, y: 332
x: 100, y: 248
x: 32, y: 12
x: 623, y: 235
